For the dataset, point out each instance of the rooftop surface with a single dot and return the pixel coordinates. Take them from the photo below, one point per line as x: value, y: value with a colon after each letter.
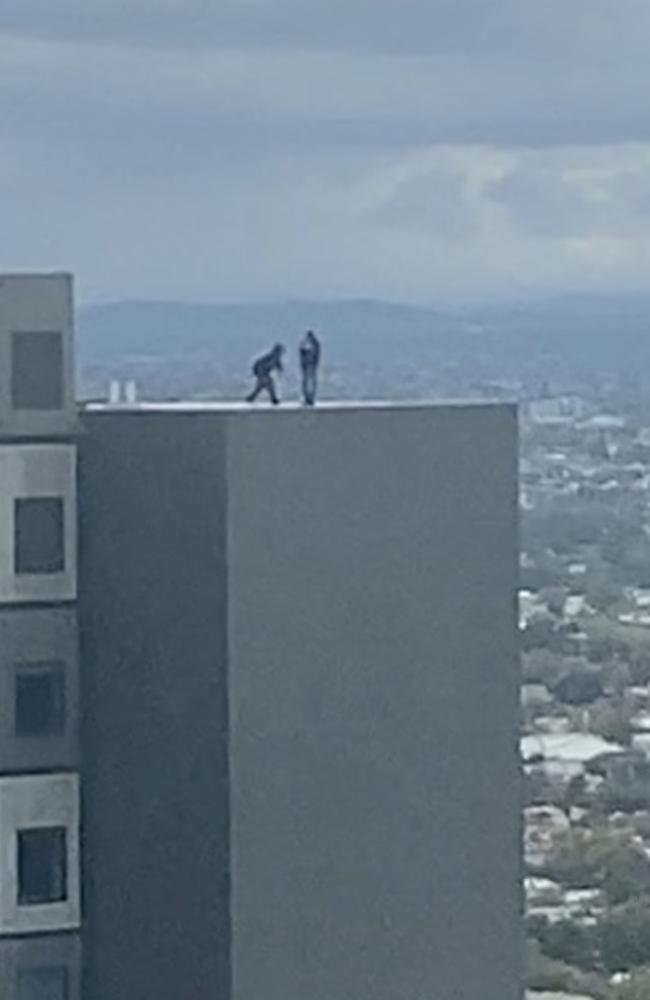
x: 201, y: 406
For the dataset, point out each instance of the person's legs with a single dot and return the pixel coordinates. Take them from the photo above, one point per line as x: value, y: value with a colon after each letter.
x: 264, y: 384
x: 309, y: 386
x: 269, y: 385
x: 252, y: 396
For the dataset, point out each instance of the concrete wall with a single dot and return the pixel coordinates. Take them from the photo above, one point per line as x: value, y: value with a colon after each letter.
x: 351, y: 575
x: 28, y: 471
x: 37, y: 414
x: 58, y: 957
x: 373, y: 704
x: 154, y: 719
x: 36, y: 303
x: 28, y: 636
x: 28, y: 802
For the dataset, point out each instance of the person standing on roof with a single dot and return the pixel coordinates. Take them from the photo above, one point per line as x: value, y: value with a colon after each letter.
x: 263, y: 369
x: 309, y: 352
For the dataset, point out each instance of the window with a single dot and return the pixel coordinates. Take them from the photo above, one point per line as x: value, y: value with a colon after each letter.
x: 42, y: 868
x: 46, y: 983
x: 37, y: 371
x: 39, y: 699
x: 39, y: 535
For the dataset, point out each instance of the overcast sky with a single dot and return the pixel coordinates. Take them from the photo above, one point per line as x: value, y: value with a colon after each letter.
x: 405, y: 149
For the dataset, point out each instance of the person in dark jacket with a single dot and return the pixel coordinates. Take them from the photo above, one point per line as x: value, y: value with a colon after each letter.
x: 263, y: 369
x: 309, y: 359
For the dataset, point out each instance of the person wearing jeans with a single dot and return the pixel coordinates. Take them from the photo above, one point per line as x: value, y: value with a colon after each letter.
x: 309, y: 352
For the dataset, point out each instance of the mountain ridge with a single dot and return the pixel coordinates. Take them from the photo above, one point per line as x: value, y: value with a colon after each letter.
x: 582, y: 332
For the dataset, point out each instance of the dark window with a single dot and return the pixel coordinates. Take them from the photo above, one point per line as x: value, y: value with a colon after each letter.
x: 39, y: 535
x: 37, y: 371
x: 46, y: 983
x: 40, y: 699
x: 42, y: 868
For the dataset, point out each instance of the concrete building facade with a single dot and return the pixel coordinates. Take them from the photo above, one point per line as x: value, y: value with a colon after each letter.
x: 40, y: 894
x: 276, y: 652
x: 298, y: 635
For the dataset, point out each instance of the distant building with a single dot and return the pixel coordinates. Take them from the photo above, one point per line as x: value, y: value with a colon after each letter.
x: 542, y: 826
x: 575, y: 605
x: 535, y: 995
x: 564, y: 755
x: 640, y: 597
x: 531, y: 608
x: 637, y: 619
x: 535, y: 695
x: 557, y: 410
x: 603, y: 422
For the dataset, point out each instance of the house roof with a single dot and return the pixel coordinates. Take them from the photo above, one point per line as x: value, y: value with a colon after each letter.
x: 566, y: 747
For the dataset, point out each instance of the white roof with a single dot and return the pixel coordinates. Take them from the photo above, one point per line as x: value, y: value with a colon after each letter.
x: 575, y: 604
x: 532, y: 995
x: 641, y: 722
x: 566, y: 747
x: 537, y: 884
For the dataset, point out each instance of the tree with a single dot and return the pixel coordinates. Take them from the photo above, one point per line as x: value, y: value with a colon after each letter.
x: 541, y: 634
x: 579, y: 687
x: 569, y: 942
x: 576, y: 794
x: 625, y: 871
x: 602, y: 593
x: 624, y: 937
x: 541, y: 666
x: 600, y: 861
x: 617, y: 677
x: 539, y: 790
x: 547, y: 974
x: 632, y: 798
x: 612, y: 721
x: 537, y: 577
x: 600, y: 648
x: 640, y: 666
x: 555, y: 599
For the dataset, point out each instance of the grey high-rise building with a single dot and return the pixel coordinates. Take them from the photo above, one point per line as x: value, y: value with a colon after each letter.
x: 300, y: 761
x: 39, y: 755
x: 298, y: 705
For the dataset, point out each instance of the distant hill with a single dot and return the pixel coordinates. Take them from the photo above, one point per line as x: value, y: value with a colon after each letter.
x: 170, y: 329
x: 581, y: 334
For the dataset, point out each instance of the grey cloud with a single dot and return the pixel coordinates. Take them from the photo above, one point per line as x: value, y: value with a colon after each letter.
x: 374, y: 25
x: 318, y: 225
x: 371, y: 72
x: 227, y: 147
x: 435, y: 201
x: 548, y: 28
x: 576, y: 196
x: 260, y: 99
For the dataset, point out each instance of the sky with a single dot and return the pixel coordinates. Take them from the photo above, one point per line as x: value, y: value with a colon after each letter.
x: 413, y: 150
